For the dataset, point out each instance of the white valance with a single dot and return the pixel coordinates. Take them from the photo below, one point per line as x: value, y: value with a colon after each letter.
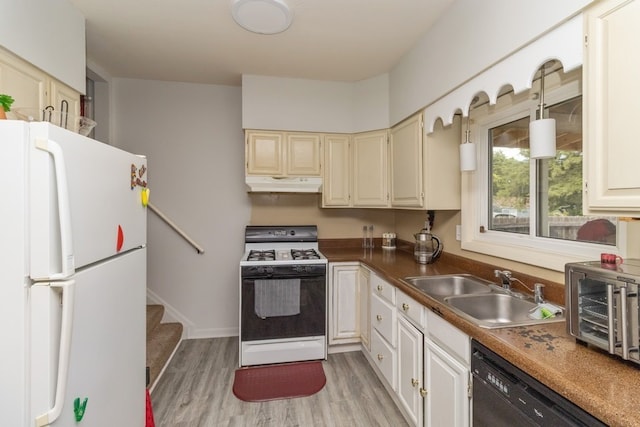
x: 563, y: 43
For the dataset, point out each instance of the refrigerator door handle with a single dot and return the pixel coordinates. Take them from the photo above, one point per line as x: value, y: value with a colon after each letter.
x: 64, y: 211
x: 67, y: 288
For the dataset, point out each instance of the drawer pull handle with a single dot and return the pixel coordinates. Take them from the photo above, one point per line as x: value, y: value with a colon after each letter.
x: 423, y: 392
x: 379, y: 317
x: 414, y: 382
x: 405, y: 306
x: 379, y: 288
x: 380, y: 357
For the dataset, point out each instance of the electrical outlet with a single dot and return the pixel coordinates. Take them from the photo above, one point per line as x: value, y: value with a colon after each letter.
x: 458, y: 232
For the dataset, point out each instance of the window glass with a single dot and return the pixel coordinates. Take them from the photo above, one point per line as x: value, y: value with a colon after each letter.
x: 509, y: 177
x: 556, y: 183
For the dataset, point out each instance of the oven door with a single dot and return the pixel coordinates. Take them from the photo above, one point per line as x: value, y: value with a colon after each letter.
x: 282, y: 302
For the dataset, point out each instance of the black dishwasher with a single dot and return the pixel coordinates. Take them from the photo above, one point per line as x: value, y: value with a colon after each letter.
x: 504, y: 395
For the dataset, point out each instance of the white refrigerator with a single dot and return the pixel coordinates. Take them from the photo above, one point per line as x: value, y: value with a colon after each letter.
x: 73, y: 279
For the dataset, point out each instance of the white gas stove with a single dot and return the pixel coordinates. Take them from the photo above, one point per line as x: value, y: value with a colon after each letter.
x: 283, y: 296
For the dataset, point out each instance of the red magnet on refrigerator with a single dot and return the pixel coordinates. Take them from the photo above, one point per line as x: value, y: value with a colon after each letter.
x: 120, y: 240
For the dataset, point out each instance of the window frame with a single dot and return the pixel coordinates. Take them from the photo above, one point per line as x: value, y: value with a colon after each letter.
x: 544, y: 252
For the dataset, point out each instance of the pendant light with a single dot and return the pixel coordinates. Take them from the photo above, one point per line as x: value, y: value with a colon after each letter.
x: 468, y: 149
x: 542, y: 132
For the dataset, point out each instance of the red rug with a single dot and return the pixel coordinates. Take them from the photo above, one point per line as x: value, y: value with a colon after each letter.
x: 271, y: 382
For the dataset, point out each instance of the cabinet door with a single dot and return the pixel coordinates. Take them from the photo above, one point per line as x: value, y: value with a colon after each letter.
x: 447, y: 389
x: 441, y: 167
x: 25, y: 83
x: 365, y: 307
x: 370, y: 169
x: 336, y: 182
x: 406, y: 163
x: 410, y: 370
x: 344, y: 304
x: 611, y: 101
x: 60, y: 92
x: 303, y: 154
x: 264, y: 153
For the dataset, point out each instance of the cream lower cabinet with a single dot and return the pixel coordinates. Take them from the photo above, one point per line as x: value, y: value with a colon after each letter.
x: 384, y: 330
x: 349, y: 297
x: 410, y: 370
x: 283, y: 153
x: 611, y: 103
x: 364, y: 308
x: 447, y: 369
x: 32, y: 88
x: 344, y: 294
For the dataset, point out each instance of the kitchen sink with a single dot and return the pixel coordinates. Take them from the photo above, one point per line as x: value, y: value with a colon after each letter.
x: 497, y: 310
x: 440, y: 287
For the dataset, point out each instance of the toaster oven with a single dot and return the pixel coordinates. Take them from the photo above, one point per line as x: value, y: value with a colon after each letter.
x: 602, y: 306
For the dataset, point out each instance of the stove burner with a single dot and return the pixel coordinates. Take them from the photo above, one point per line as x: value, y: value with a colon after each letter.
x: 266, y: 255
x: 304, y: 254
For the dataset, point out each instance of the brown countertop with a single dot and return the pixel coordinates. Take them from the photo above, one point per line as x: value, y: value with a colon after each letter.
x: 605, y: 386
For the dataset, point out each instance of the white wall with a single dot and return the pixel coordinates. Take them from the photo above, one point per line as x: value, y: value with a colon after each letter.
x: 279, y: 103
x: 470, y: 37
x: 47, y: 33
x: 192, y: 136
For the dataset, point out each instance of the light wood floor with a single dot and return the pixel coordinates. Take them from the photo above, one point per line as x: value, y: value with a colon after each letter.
x: 196, y: 390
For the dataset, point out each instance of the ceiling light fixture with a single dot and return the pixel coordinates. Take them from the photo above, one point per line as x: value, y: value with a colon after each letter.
x: 468, y: 149
x: 542, y: 132
x: 262, y: 16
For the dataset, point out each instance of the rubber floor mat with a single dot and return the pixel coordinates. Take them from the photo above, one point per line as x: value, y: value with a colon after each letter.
x: 285, y: 381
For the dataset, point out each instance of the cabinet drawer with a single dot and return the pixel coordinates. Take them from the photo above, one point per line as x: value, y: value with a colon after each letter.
x: 383, y: 289
x: 449, y: 337
x: 411, y: 308
x: 383, y: 318
x: 384, y: 358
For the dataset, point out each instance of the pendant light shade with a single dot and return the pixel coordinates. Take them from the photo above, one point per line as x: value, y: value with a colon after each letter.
x: 468, y: 149
x: 542, y: 139
x: 468, y: 155
x: 542, y: 132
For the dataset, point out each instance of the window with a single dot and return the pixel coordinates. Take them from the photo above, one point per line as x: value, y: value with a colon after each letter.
x: 558, y: 182
x: 531, y: 210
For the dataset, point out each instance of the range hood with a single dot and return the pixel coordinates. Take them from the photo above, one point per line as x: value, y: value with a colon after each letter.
x: 270, y: 184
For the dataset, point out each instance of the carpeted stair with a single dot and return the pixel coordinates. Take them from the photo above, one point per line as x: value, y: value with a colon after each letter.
x: 162, y: 339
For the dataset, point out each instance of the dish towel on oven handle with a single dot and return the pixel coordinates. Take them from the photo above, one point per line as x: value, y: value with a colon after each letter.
x: 277, y: 297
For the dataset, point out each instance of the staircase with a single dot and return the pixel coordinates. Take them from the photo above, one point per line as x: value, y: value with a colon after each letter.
x: 162, y: 339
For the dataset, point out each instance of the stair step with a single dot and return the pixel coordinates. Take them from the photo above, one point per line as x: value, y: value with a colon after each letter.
x: 160, y: 345
x: 154, y: 316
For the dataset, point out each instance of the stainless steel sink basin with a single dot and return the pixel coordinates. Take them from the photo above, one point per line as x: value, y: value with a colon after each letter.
x: 497, y: 310
x: 440, y: 287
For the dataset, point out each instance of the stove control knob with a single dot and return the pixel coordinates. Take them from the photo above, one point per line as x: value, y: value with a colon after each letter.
x: 269, y: 270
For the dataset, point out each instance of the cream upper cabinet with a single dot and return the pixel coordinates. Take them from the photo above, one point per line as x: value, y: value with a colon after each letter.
x: 60, y: 93
x: 283, y: 153
x: 25, y: 83
x: 303, y: 154
x: 370, y: 169
x: 336, y: 182
x: 611, y: 102
x: 32, y: 88
x: 405, y: 147
x: 441, y: 167
x: 264, y: 153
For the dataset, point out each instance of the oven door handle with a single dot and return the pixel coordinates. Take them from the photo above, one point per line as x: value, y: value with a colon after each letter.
x: 623, y: 323
x: 611, y: 319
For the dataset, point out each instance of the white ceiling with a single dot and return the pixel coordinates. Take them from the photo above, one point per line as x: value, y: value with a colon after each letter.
x: 198, y: 41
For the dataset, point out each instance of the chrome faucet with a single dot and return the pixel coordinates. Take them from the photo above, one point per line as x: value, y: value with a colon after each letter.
x: 538, y: 295
x: 505, y: 277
